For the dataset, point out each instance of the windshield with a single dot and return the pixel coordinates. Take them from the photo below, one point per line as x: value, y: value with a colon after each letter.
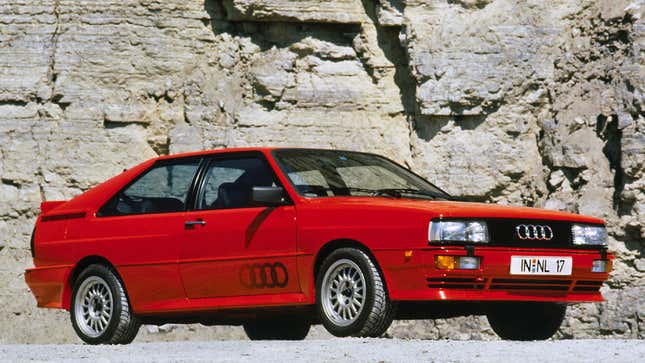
x: 329, y: 173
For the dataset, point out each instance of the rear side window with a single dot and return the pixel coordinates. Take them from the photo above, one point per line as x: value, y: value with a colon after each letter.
x: 163, y: 188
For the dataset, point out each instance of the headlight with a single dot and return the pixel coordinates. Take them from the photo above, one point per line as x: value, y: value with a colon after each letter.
x: 458, y: 231
x: 584, y: 235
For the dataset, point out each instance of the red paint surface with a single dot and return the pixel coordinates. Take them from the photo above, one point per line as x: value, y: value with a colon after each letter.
x: 167, y: 267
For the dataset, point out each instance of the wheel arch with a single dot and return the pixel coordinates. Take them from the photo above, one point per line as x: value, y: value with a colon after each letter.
x: 76, y: 271
x: 333, y: 245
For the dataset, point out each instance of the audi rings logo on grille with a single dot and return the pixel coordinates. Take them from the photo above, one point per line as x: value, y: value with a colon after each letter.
x: 534, y: 232
x: 264, y: 275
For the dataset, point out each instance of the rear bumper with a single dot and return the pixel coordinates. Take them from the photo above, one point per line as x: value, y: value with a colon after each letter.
x: 48, y: 285
x: 415, y: 277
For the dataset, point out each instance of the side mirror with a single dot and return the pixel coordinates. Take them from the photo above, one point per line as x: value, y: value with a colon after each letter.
x: 268, y: 196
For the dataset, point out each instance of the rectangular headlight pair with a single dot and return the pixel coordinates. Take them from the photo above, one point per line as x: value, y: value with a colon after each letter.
x: 587, y: 235
x: 474, y: 231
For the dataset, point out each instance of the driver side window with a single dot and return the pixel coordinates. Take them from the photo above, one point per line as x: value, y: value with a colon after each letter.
x: 228, y: 183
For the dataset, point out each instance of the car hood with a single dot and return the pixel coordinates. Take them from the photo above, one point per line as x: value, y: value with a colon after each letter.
x: 455, y: 209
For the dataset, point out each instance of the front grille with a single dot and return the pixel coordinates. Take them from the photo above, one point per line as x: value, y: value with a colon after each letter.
x: 502, y: 233
x: 525, y: 284
x: 456, y: 283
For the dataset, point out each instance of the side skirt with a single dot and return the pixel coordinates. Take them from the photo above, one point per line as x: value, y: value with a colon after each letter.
x: 232, y: 316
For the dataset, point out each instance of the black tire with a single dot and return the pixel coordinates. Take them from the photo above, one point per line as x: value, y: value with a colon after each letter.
x: 277, y: 329
x: 526, y: 321
x: 377, y: 312
x: 122, y: 326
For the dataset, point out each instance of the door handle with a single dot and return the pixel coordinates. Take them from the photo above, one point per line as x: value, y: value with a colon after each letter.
x: 194, y: 223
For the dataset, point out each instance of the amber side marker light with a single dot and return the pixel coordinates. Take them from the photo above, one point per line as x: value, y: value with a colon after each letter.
x: 457, y: 262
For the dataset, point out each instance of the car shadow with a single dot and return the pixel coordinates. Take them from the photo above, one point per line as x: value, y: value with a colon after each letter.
x: 255, y: 225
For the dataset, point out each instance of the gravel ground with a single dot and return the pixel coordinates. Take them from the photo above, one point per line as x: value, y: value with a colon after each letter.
x: 338, y: 350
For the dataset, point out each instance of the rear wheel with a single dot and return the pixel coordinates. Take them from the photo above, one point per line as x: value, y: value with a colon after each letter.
x: 100, y: 310
x: 277, y: 330
x: 351, y: 295
x: 526, y: 321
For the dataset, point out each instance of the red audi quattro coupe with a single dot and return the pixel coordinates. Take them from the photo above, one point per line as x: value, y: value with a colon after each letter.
x: 278, y: 239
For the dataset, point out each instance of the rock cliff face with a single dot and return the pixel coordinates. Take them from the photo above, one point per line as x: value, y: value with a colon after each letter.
x: 520, y: 102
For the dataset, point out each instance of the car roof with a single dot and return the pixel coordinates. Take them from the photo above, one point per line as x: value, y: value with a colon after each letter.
x: 214, y: 151
x: 244, y: 149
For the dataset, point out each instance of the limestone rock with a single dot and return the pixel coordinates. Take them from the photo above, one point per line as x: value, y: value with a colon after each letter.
x: 338, y: 11
x: 466, y: 63
x: 274, y: 73
x: 471, y: 4
x: 390, y: 12
x: 557, y: 177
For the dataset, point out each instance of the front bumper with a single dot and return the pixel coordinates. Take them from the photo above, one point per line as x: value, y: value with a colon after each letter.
x: 414, y: 277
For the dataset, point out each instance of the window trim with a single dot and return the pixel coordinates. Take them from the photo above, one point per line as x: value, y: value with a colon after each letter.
x: 163, y: 162
x: 211, y: 159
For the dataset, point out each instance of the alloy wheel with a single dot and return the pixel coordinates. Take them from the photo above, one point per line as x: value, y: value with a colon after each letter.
x: 343, y: 292
x: 94, y: 306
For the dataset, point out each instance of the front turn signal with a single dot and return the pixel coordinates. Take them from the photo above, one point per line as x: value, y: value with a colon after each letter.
x: 445, y: 262
x: 457, y: 262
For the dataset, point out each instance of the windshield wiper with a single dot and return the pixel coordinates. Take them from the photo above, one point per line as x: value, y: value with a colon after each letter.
x: 371, y: 192
x: 388, y: 192
x: 397, y: 192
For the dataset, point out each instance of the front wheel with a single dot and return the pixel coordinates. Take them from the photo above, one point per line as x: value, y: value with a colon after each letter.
x: 526, y: 321
x: 100, y: 310
x: 277, y: 330
x: 351, y: 295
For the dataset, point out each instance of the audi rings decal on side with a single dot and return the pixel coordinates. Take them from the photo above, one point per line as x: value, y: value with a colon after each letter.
x: 534, y: 232
x: 264, y: 275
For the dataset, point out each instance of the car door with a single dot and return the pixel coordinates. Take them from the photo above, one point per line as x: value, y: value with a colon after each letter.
x: 138, y: 231
x: 231, y: 247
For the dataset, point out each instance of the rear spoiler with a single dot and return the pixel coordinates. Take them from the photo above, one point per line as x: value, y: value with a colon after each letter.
x: 49, y: 213
x: 49, y: 205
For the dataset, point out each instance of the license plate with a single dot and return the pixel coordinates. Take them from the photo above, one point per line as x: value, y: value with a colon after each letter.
x: 541, y: 265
